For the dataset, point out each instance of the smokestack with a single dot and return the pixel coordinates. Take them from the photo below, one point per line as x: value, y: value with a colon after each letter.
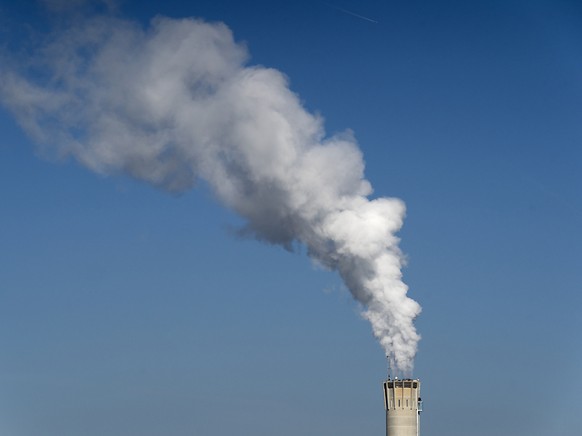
x: 403, y: 406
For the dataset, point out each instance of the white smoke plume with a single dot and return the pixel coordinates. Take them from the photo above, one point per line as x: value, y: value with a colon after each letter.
x: 177, y: 102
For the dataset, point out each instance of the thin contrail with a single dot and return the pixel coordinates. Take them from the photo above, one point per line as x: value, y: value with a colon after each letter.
x: 353, y: 14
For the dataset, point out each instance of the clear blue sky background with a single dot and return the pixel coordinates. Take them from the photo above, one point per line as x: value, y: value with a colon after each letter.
x: 128, y: 311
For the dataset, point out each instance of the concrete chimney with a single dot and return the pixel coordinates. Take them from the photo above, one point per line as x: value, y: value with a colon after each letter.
x: 403, y: 406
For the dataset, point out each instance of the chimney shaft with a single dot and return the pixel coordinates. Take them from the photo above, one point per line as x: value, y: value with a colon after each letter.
x: 403, y: 406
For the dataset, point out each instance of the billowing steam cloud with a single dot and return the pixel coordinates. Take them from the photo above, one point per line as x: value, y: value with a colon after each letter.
x: 175, y: 103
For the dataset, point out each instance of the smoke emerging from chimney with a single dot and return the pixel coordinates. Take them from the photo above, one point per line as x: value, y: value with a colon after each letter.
x: 177, y: 102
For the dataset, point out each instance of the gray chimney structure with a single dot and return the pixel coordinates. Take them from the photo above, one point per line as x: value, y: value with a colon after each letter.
x: 403, y: 406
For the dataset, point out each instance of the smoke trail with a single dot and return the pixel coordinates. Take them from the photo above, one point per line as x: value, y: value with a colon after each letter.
x: 176, y: 102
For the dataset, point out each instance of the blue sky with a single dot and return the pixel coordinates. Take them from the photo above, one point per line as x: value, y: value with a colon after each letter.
x: 125, y: 310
